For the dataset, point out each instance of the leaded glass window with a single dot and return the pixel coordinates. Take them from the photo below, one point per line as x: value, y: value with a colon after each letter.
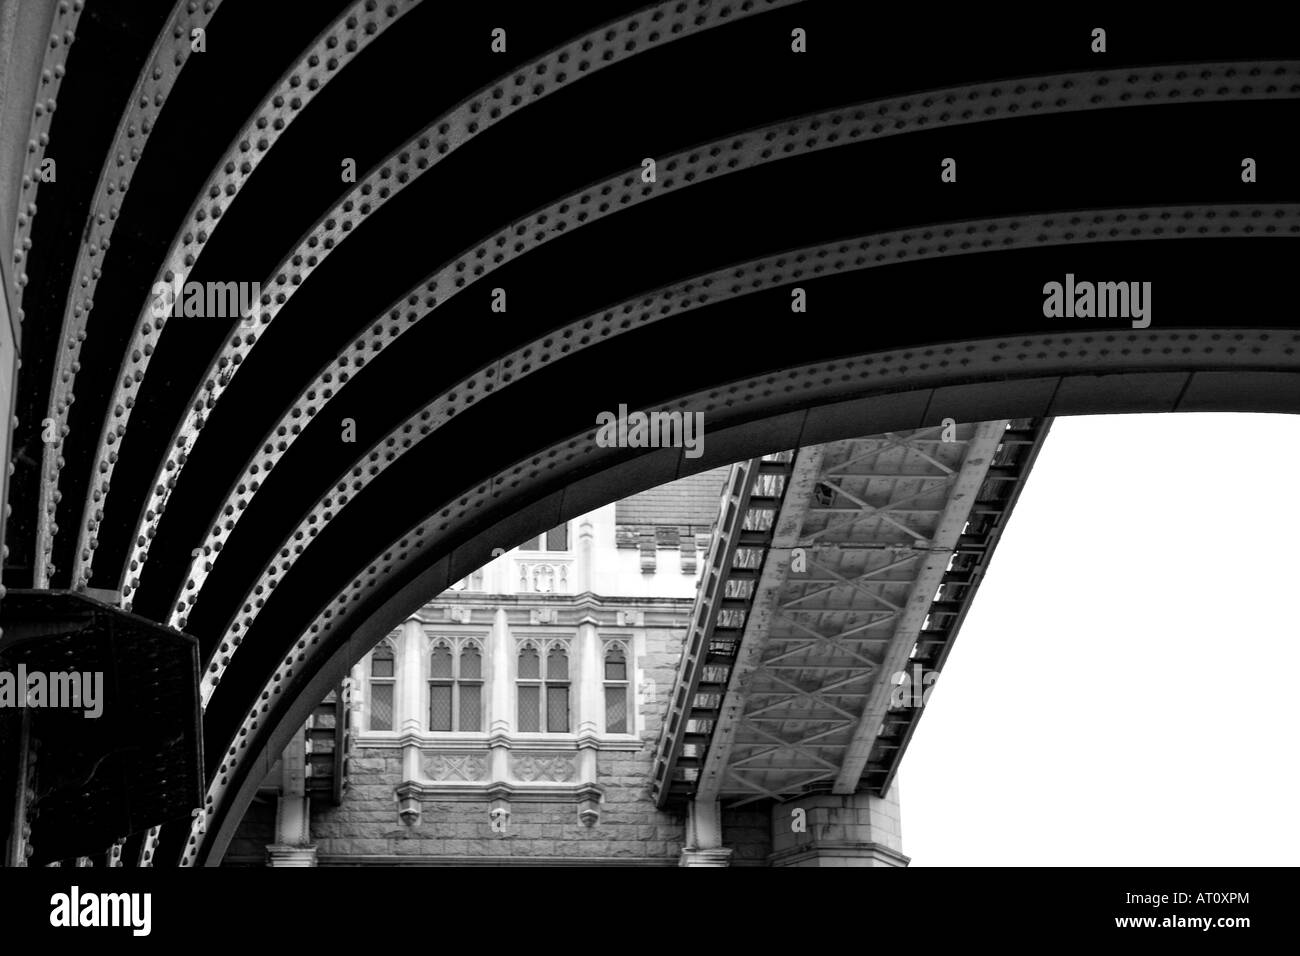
x: 455, y: 688
x: 470, y: 687
x: 557, y: 690
x: 557, y: 539
x: 543, y: 692
x: 530, y: 689
x: 382, y: 676
x: 616, y: 690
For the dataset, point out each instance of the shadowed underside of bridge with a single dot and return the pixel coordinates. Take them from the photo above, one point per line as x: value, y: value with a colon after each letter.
x: 199, y: 470
x: 838, y: 579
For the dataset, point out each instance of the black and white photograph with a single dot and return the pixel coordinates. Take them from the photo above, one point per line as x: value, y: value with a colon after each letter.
x: 454, y: 445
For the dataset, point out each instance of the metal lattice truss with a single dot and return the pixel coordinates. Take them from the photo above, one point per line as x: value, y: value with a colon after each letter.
x: 866, y: 532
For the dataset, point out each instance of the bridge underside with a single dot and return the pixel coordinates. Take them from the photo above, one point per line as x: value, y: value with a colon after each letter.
x: 286, y: 485
x: 832, y: 596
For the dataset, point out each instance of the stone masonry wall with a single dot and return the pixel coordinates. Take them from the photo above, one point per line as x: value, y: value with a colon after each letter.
x: 256, y: 831
x: 631, y: 830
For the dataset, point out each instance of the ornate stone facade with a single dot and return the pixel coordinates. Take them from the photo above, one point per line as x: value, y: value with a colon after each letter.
x: 531, y: 767
x: 577, y: 792
x: 468, y: 767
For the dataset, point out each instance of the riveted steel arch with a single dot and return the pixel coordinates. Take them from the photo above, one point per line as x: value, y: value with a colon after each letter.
x: 400, y: 577
x: 1027, y: 97
x: 522, y: 171
x: 774, y: 271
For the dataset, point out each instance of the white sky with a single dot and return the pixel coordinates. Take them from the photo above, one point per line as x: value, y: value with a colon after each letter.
x: 1124, y: 690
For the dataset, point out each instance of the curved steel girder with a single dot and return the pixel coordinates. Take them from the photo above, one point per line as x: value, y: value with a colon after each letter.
x: 57, y: 40
x: 724, y: 307
x: 316, y: 456
x: 628, y: 317
x: 313, y: 70
x: 1030, y: 96
x: 168, y: 57
x: 62, y: 34
x: 1056, y: 375
x: 605, y: 46
x: 113, y: 46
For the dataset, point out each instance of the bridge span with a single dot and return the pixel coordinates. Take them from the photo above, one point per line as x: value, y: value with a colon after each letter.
x: 837, y: 581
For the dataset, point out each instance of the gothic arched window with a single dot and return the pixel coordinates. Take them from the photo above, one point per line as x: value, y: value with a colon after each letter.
x: 557, y: 690
x: 543, y: 693
x: 382, y: 680
x: 455, y: 688
x: 616, y: 690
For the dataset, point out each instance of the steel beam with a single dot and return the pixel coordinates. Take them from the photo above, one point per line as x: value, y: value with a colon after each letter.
x: 975, y: 466
x: 776, y: 567
x: 876, y: 119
